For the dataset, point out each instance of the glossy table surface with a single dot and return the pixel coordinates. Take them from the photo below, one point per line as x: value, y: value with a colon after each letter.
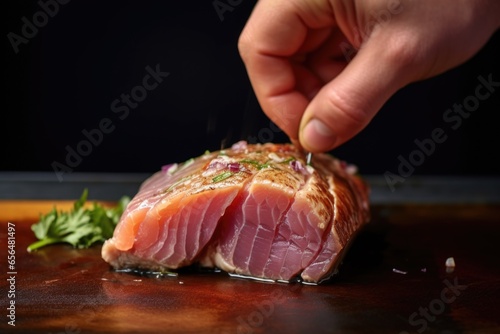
x: 393, y: 280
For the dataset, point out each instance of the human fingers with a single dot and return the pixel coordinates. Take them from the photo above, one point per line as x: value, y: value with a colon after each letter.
x: 345, y: 105
x: 276, y: 32
x: 417, y: 42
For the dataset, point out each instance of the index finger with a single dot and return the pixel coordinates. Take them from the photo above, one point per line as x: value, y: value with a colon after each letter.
x: 276, y: 31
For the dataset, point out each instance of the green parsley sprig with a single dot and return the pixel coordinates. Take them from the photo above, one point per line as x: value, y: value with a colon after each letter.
x: 81, y: 227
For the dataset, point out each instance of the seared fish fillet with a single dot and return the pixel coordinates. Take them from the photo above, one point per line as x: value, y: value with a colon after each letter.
x: 252, y: 210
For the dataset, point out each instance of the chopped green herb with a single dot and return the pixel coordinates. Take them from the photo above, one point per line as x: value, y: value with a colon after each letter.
x: 175, y: 184
x: 172, y: 169
x: 222, y: 176
x: 263, y: 165
x: 80, y: 227
x: 288, y: 160
x: 255, y: 163
x: 187, y: 163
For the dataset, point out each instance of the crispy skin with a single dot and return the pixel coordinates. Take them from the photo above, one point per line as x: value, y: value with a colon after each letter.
x: 252, y: 210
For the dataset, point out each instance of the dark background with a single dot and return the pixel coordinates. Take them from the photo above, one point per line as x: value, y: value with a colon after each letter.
x: 64, y: 79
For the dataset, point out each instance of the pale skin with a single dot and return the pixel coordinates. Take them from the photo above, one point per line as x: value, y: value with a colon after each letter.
x: 322, y: 69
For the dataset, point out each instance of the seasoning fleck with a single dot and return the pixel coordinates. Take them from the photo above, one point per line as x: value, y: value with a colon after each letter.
x: 397, y: 271
x: 450, y: 265
x: 309, y: 158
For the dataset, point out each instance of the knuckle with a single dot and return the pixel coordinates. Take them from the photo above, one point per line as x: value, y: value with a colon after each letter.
x: 244, y: 46
x: 403, y: 50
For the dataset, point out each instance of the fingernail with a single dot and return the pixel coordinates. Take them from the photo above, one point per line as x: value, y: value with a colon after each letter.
x: 318, y: 137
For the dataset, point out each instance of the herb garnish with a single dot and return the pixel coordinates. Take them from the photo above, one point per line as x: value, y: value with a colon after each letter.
x: 222, y: 177
x: 175, y: 184
x: 81, y: 227
x: 187, y: 163
x: 288, y: 160
x: 255, y: 163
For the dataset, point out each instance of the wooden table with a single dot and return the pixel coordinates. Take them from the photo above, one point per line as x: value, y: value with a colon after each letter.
x: 393, y: 280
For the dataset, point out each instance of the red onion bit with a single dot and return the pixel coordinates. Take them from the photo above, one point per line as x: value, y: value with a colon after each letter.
x: 234, y: 167
x: 240, y: 146
x: 349, y: 168
x: 297, y: 166
x: 221, y: 164
x: 217, y: 164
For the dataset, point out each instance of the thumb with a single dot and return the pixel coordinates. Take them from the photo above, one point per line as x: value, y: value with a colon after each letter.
x: 345, y: 105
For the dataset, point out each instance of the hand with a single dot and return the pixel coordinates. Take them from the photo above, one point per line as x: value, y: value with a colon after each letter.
x: 322, y: 69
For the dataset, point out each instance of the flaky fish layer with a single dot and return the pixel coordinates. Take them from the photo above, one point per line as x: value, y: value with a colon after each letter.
x: 252, y: 210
